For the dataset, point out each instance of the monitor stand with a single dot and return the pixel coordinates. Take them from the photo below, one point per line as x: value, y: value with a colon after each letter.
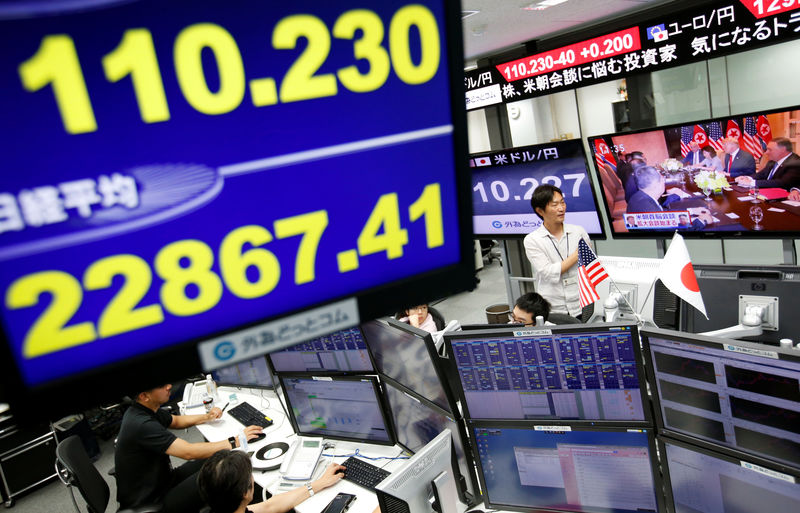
x: 444, y: 490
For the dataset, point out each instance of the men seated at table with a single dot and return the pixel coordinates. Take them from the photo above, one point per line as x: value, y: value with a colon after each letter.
x: 694, y: 157
x: 782, y: 170
x: 738, y: 162
x: 651, y: 187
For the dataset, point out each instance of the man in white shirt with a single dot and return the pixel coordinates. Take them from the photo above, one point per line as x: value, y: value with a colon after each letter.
x: 553, y: 251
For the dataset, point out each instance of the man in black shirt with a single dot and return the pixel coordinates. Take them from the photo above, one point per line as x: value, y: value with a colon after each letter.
x: 144, y: 445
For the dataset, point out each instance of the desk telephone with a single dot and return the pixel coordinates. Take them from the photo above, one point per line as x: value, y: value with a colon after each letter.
x: 302, y: 458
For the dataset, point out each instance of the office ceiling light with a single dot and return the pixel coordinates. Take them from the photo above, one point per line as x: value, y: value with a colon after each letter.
x: 467, y: 14
x: 541, y: 6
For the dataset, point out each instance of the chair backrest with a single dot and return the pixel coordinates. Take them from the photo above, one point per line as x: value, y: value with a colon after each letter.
x: 82, y: 474
x: 562, y: 318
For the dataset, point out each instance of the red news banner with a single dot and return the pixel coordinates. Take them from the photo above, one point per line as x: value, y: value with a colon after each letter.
x: 764, y: 8
x: 576, y: 54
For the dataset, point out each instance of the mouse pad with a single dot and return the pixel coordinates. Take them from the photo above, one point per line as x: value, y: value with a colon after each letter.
x: 270, y: 456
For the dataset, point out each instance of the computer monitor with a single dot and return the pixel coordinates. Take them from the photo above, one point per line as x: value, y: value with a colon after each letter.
x: 698, y: 479
x: 473, y: 327
x: 566, y: 467
x: 252, y: 373
x: 408, y: 355
x: 729, y: 289
x: 337, y: 407
x: 426, y: 478
x: 634, y: 288
x: 341, y: 351
x: 732, y: 393
x: 417, y: 421
x: 587, y: 372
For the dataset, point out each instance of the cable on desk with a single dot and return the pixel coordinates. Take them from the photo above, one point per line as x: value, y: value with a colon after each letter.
x: 359, y: 455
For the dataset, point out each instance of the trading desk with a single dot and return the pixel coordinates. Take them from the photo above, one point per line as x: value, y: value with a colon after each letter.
x: 268, y: 402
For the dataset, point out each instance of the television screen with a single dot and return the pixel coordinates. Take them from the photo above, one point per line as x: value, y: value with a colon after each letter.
x: 182, y: 170
x: 252, y: 373
x: 589, y: 373
x: 566, y: 467
x: 503, y: 183
x: 727, y: 392
x: 700, y: 184
x: 341, y: 351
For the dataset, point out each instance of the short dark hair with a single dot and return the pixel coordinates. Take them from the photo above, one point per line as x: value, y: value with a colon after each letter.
x: 534, y: 304
x: 543, y: 195
x: 224, y: 480
x: 785, y: 143
x: 710, y: 149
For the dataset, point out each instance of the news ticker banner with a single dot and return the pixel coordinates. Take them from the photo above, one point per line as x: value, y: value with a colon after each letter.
x: 176, y: 170
x: 503, y: 183
x: 670, y: 40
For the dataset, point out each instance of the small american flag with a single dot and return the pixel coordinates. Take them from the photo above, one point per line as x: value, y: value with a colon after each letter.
x: 590, y: 273
x: 687, y: 132
x: 750, y: 139
x: 714, y: 135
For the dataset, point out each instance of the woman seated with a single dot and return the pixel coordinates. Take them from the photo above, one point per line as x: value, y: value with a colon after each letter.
x: 712, y: 160
x: 423, y: 317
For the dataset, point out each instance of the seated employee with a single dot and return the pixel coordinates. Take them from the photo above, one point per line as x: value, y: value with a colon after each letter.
x: 651, y: 187
x: 226, y: 485
x: 144, y: 445
x: 423, y: 317
x: 528, y: 307
x: 782, y: 170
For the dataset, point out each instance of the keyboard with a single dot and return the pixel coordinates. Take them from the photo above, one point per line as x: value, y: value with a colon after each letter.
x: 247, y: 415
x: 362, y: 473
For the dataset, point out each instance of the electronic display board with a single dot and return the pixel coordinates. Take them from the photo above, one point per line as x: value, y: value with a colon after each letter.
x: 503, y: 183
x: 176, y: 170
x: 671, y: 39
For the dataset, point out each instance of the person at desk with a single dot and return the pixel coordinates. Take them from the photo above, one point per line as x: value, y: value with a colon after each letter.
x: 226, y: 485
x: 651, y: 188
x: 694, y: 157
x: 553, y: 251
x: 422, y: 317
x: 737, y: 161
x: 782, y: 170
x: 528, y: 307
x: 144, y: 445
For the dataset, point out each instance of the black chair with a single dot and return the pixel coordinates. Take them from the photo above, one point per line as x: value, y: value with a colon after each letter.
x: 562, y: 318
x: 75, y: 470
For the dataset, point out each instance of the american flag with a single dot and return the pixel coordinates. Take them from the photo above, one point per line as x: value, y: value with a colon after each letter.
x: 687, y: 132
x: 590, y: 273
x: 714, y: 135
x: 751, y: 141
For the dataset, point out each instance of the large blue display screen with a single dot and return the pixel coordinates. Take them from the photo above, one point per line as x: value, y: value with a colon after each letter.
x: 177, y: 169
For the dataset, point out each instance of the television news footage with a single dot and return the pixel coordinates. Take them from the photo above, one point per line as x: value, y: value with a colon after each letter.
x: 341, y: 351
x: 700, y: 197
x: 592, y: 372
x: 337, y: 407
x: 408, y: 355
x: 503, y: 183
x: 566, y: 467
x: 724, y: 481
x: 736, y: 394
x: 253, y: 373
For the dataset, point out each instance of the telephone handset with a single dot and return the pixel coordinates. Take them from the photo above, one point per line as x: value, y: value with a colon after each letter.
x: 302, y: 458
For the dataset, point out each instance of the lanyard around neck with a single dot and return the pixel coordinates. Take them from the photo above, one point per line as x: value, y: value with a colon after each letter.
x: 556, y: 247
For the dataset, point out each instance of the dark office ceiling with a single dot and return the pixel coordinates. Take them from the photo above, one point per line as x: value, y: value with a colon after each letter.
x: 493, y: 26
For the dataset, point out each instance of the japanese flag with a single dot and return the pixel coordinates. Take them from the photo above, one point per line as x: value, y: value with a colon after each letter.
x: 677, y: 274
x: 483, y: 161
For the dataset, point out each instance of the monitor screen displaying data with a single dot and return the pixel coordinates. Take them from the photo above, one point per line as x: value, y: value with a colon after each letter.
x: 741, y: 395
x: 717, y: 482
x: 337, y: 407
x: 503, y: 183
x: 252, y: 373
x: 342, y: 351
x: 590, y: 373
x: 563, y: 468
x: 408, y: 356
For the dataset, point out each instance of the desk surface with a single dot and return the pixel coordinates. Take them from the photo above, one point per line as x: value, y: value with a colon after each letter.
x: 268, y: 402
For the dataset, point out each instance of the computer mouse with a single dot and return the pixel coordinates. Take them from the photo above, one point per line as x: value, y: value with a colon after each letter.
x: 257, y: 438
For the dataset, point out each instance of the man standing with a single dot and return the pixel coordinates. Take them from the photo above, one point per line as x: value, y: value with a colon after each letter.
x: 553, y: 251
x: 782, y: 170
x: 144, y: 445
x: 737, y: 162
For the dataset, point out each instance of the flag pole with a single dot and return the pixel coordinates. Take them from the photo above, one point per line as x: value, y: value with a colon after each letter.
x: 650, y: 290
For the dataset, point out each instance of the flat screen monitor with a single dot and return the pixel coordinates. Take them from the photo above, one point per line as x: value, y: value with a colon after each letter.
x: 698, y: 479
x: 342, y: 351
x: 426, y: 478
x: 591, y: 372
x: 728, y: 289
x: 252, y: 373
x: 729, y: 210
x: 737, y: 394
x: 503, y: 183
x: 189, y: 169
x: 580, y: 468
x: 408, y: 355
x: 417, y: 421
x: 337, y: 407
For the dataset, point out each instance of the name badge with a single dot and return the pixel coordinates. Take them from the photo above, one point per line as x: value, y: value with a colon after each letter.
x: 570, y: 281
